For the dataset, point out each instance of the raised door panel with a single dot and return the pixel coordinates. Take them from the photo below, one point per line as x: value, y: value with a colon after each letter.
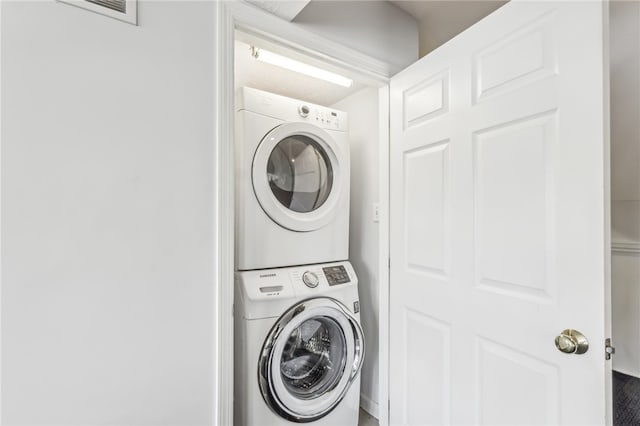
x: 513, y: 196
x: 426, y: 393
x: 426, y: 100
x: 515, y: 388
x: 426, y: 208
x: 518, y: 59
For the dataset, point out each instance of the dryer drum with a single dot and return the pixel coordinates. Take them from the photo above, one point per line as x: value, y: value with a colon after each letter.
x: 300, y: 176
x: 299, y: 173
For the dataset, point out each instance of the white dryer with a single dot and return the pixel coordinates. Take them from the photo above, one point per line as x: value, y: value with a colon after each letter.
x: 299, y: 346
x: 292, y: 182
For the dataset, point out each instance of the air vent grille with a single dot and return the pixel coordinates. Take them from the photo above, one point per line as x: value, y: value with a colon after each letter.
x: 117, y: 5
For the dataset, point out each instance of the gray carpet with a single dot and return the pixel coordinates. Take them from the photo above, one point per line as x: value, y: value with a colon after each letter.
x: 626, y: 400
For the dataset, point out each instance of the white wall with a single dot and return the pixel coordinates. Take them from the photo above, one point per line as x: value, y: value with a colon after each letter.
x: 625, y: 99
x: 107, y: 215
x: 107, y: 212
x: 363, y: 231
x: 626, y: 312
x: 625, y: 173
x: 441, y: 20
x: 375, y: 28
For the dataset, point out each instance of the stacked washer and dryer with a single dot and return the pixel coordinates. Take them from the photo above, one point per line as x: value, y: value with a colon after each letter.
x: 299, y: 345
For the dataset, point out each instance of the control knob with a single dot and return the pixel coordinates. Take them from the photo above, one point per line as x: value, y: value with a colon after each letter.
x: 303, y: 110
x: 310, y: 279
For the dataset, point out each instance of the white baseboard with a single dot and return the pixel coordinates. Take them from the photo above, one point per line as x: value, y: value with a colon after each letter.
x: 628, y: 247
x: 619, y: 370
x: 369, y: 405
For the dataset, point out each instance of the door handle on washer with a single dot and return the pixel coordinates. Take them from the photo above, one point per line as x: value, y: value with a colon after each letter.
x: 358, y: 357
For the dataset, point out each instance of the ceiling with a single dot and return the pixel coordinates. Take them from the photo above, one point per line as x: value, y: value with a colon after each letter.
x: 441, y: 20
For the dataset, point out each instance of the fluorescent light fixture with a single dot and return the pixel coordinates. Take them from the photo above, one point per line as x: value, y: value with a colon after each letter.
x: 302, y: 68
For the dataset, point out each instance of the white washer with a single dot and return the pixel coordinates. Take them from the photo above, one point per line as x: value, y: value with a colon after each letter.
x: 299, y: 346
x: 292, y: 182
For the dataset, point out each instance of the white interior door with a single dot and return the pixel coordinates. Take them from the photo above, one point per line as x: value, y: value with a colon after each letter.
x: 499, y: 228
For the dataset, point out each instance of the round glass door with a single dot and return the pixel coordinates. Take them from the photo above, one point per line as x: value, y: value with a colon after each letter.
x: 300, y: 176
x: 299, y: 173
x: 310, y: 358
x: 313, y: 358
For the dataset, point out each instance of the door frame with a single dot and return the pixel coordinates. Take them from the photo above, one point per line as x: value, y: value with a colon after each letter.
x: 232, y: 15
x: 236, y: 15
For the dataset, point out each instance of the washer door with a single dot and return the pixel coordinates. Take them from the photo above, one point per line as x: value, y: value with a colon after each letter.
x: 297, y: 177
x: 310, y: 359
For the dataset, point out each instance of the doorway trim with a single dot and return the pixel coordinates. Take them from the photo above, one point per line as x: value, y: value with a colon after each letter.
x: 228, y: 17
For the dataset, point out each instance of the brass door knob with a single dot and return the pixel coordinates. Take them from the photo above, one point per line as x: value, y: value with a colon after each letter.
x: 572, y: 342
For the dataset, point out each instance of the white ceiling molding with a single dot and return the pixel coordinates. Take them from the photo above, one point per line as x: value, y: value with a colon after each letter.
x: 285, y: 9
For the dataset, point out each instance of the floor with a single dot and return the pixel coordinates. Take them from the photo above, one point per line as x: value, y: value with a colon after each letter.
x: 626, y: 400
x: 626, y: 403
x: 367, y: 419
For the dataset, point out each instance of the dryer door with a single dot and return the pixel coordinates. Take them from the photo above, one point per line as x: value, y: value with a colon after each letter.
x: 297, y: 176
x: 310, y: 359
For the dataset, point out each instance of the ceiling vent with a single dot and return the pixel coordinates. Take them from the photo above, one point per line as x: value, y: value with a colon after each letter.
x: 124, y: 10
x: 117, y: 5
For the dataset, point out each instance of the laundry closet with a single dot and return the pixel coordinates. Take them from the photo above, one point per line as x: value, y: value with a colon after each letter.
x: 354, y: 28
x: 346, y: 113
x: 471, y: 175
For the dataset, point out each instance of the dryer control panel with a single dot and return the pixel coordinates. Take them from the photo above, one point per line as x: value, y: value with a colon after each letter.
x: 321, y: 116
x: 289, y: 109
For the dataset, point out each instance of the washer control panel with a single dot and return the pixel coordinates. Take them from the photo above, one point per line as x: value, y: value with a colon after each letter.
x: 310, y: 279
x: 267, y: 293
x: 336, y: 275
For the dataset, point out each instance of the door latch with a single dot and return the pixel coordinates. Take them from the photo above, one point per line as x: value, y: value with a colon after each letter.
x: 608, y: 349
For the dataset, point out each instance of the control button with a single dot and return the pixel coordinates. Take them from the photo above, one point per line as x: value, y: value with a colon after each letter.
x: 303, y: 110
x: 310, y: 279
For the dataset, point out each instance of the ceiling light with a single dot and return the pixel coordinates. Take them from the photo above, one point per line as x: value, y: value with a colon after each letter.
x: 293, y: 65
